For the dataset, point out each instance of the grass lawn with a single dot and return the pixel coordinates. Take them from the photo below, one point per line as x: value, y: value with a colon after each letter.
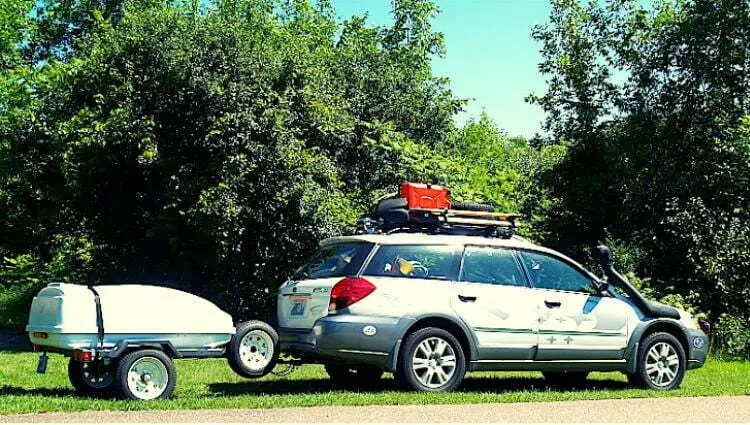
x: 206, y: 384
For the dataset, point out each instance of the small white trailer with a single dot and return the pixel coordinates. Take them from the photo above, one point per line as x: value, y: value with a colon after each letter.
x: 124, y: 337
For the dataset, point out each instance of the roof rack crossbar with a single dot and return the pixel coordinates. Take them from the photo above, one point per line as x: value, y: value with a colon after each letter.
x: 443, y: 221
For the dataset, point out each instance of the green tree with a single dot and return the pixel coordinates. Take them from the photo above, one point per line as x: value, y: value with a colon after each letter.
x: 648, y: 99
x: 211, y: 149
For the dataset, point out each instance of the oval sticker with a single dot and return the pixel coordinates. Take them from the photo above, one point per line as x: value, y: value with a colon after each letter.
x: 369, y: 330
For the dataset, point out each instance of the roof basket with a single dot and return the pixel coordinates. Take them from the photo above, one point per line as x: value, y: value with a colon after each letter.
x: 396, y: 216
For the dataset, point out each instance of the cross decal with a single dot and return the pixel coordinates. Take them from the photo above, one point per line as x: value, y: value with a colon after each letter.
x: 552, y: 339
x: 568, y: 339
x: 561, y: 319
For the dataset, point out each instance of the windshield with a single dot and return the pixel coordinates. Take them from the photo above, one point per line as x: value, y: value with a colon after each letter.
x: 334, y: 261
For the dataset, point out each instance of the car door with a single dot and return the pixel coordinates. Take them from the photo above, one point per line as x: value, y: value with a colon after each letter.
x: 493, y: 299
x: 575, y: 323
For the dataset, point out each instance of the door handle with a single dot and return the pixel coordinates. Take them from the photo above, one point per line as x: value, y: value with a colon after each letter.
x: 466, y: 299
x: 552, y: 304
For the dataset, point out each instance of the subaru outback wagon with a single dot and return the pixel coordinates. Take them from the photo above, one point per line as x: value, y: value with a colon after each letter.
x: 429, y: 306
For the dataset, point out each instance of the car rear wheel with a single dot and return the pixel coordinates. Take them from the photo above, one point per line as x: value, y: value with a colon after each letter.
x: 342, y: 374
x: 91, y: 377
x: 432, y: 359
x: 661, y: 362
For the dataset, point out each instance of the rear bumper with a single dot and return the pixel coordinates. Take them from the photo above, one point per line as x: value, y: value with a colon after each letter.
x: 698, y: 345
x: 347, y: 338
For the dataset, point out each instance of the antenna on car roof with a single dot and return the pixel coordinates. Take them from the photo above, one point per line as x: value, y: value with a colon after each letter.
x: 427, y: 208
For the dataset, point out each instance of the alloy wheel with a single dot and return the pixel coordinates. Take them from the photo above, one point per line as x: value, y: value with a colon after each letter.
x: 434, y: 362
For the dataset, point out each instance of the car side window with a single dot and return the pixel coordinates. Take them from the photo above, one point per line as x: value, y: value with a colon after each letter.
x: 415, y: 261
x: 550, y: 273
x: 495, y: 266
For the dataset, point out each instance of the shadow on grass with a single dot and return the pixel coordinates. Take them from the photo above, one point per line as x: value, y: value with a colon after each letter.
x: 470, y: 385
x: 55, y: 392
x: 45, y: 392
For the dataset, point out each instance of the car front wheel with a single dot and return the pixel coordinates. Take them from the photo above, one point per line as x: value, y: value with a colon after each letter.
x: 661, y: 362
x: 432, y: 360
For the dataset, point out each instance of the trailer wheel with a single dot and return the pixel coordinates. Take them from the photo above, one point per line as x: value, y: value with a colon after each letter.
x: 254, y: 349
x: 146, y: 375
x: 91, y: 377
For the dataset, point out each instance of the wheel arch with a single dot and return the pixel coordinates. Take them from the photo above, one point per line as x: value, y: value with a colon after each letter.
x: 457, y: 329
x: 645, y: 329
x: 670, y: 327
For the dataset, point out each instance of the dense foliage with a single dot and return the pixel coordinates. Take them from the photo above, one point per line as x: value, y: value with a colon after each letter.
x: 210, y: 145
x: 654, y: 104
x: 212, y: 148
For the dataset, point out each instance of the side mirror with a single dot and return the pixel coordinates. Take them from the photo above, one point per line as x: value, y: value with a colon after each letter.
x: 602, y: 287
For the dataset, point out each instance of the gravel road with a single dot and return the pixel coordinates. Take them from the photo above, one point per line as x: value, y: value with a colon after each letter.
x: 687, y: 409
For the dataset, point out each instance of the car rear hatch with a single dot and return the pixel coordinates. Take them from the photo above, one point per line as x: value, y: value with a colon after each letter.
x: 304, y: 298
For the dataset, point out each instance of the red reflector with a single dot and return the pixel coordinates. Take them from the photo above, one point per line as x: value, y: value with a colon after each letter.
x: 83, y: 356
x: 348, y: 291
x: 40, y: 335
x: 37, y: 348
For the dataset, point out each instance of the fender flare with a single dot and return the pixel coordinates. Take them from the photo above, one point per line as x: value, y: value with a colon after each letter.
x: 643, y: 328
x: 471, y: 350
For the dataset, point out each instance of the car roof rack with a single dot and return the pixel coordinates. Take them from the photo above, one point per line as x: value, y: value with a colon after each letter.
x: 392, y: 218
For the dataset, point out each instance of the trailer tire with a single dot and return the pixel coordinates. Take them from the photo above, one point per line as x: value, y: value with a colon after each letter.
x: 146, y: 375
x: 91, y: 377
x: 254, y: 349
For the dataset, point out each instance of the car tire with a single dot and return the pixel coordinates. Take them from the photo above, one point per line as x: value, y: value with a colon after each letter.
x: 91, y: 377
x: 254, y: 349
x: 431, y: 350
x: 343, y: 374
x: 661, y: 362
x: 146, y: 375
x: 565, y: 378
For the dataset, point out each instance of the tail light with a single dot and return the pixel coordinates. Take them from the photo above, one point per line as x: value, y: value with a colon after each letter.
x: 83, y: 355
x: 348, y: 291
x: 36, y: 347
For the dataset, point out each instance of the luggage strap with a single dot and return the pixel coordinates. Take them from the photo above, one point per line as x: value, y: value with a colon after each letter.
x: 99, y: 317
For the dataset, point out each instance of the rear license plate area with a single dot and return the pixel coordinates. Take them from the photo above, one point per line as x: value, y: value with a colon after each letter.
x: 298, y: 305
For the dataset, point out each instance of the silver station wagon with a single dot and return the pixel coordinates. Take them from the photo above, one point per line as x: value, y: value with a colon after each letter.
x: 436, y: 293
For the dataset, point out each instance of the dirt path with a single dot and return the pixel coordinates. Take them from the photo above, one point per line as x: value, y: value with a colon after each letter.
x: 685, y: 409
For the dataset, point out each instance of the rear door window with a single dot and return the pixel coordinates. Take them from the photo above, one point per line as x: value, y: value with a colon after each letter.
x: 495, y: 266
x: 334, y: 261
x: 415, y: 261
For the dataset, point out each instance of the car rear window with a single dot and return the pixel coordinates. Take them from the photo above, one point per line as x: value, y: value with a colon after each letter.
x: 334, y: 261
x: 415, y: 261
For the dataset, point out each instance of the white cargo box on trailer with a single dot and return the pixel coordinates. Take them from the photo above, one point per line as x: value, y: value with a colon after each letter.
x: 124, y: 337
x: 64, y: 316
